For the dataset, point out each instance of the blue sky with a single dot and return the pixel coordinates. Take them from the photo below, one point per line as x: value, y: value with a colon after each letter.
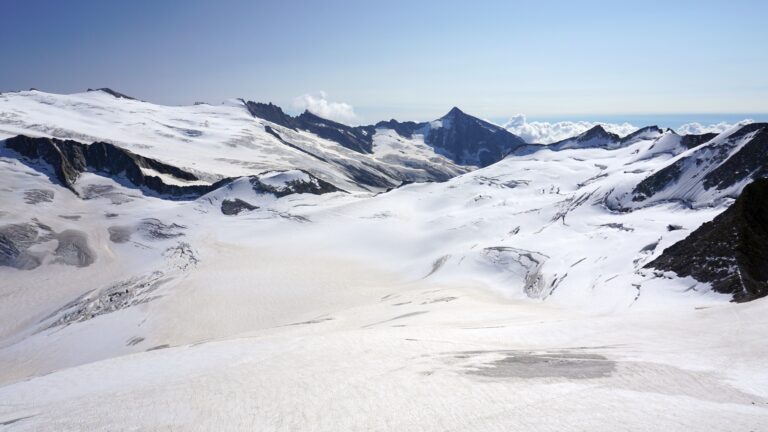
x: 401, y: 59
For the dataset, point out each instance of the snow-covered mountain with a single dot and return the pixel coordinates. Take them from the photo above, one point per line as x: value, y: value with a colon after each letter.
x: 233, y: 267
x: 595, y: 137
x: 701, y: 174
x: 220, y: 141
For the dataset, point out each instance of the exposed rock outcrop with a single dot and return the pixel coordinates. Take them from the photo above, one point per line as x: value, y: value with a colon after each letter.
x: 113, y: 93
x: 359, y: 139
x: 232, y: 207
x: 731, y: 251
x: 282, y: 183
x: 68, y: 159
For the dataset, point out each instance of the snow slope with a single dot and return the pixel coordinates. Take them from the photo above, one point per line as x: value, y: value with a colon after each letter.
x: 704, y: 175
x: 214, y: 141
x: 508, y: 298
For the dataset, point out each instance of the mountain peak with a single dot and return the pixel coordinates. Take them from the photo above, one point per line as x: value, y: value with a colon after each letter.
x: 597, y: 132
x: 455, y: 111
x: 646, y: 132
x: 596, y: 137
x: 468, y: 140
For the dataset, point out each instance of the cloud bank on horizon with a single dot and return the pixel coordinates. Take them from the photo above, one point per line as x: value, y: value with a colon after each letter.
x: 319, y: 105
x: 547, y: 132
x: 538, y: 132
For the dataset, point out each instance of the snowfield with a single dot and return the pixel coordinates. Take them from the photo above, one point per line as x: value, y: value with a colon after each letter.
x: 508, y: 298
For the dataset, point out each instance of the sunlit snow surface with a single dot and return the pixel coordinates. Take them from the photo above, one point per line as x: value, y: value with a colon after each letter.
x: 509, y: 298
x: 213, y: 141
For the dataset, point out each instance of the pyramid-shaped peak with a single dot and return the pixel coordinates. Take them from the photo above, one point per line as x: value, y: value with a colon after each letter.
x: 595, y: 130
x: 455, y: 111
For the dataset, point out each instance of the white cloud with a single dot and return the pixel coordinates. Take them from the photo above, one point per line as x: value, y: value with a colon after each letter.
x: 546, y: 133
x: 698, y: 128
x: 319, y: 104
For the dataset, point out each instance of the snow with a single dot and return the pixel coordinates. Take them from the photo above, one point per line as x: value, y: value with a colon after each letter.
x: 507, y: 298
x: 280, y: 179
x: 412, y: 153
x: 214, y: 141
x: 696, y: 164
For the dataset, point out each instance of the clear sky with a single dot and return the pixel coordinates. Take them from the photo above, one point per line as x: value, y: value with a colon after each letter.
x: 402, y: 59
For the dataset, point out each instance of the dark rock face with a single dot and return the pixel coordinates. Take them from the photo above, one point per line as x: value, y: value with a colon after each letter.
x: 598, y: 132
x: 691, y: 141
x: 404, y: 129
x: 235, y: 206
x: 750, y: 161
x: 467, y: 140
x: 730, y: 252
x: 69, y: 159
x: 657, y: 182
x: 359, y: 139
x: 272, y: 113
